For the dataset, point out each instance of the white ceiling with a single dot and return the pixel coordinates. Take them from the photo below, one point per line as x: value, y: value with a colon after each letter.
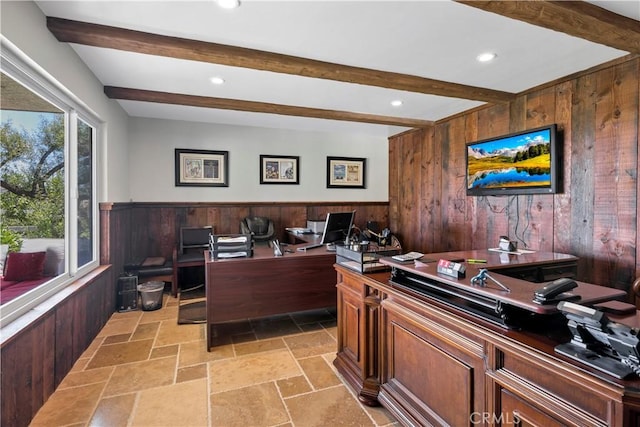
x: 433, y: 39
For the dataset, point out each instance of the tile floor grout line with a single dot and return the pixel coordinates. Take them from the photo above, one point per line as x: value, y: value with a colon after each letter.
x: 312, y: 340
x: 284, y: 404
x: 134, y: 409
x: 209, y: 393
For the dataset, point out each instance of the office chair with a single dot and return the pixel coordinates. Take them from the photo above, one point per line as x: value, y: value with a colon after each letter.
x: 261, y: 228
x: 192, y: 243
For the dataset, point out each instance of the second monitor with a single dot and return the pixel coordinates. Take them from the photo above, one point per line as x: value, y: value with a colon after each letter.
x: 337, y: 227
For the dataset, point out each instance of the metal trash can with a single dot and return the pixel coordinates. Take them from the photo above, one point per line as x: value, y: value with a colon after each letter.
x: 151, y: 295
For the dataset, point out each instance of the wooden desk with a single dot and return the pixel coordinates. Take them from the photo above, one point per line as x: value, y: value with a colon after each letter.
x: 431, y: 363
x: 533, y: 267
x: 520, y: 293
x: 264, y: 285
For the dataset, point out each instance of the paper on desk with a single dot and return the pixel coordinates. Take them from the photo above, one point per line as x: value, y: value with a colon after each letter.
x: 352, y: 264
x: 299, y: 230
x: 231, y: 254
x: 518, y: 252
x: 239, y: 239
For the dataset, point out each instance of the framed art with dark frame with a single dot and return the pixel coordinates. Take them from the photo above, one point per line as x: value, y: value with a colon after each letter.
x: 201, y: 168
x: 346, y: 172
x: 279, y: 169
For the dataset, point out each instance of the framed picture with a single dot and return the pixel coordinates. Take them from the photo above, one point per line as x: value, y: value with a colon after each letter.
x: 279, y: 169
x: 202, y: 168
x: 346, y: 172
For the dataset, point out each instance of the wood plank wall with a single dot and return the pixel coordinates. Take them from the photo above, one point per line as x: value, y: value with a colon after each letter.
x: 36, y: 360
x: 132, y: 231
x: 595, y: 215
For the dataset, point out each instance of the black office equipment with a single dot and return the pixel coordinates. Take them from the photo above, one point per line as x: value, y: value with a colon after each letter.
x: 503, y: 165
x: 364, y: 258
x: 605, y: 345
x: 127, y: 293
x: 556, y: 291
x: 337, y: 227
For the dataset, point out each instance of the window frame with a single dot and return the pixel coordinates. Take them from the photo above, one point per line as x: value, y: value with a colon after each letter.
x: 21, y: 68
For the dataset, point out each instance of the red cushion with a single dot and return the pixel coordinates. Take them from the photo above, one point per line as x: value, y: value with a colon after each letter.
x: 19, y: 288
x: 4, y: 284
x: 24, y: 266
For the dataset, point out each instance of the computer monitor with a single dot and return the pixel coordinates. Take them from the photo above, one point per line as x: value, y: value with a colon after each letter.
x: 337, y: 227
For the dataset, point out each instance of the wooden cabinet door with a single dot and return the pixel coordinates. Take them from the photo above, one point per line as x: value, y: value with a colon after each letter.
x: 432, y: 375
x: 518, y: 412
x: 357, y: 357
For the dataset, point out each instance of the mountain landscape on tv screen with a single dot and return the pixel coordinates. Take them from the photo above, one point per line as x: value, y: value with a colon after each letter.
x: 512, y: 163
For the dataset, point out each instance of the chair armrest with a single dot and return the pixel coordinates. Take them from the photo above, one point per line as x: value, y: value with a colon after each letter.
x: 244, y: 228
x: 636, y: 287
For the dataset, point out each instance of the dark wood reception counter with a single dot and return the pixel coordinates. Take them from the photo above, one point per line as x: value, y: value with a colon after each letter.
x: 431, y: 362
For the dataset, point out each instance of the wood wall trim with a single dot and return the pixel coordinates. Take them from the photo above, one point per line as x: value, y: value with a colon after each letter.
x: 133, y: 94
x: 572, y: 77
x: 126, y: 205
x: 70, y: 31
x: 594, y: 217
x: 110, y: 206
x: 576, y: 18
x: 33, y: 317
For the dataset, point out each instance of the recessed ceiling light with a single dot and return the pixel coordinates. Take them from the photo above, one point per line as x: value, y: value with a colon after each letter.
x: 217, y: 80
x: 486, y: 57
x: 229, y: 4
x: 396, y: 102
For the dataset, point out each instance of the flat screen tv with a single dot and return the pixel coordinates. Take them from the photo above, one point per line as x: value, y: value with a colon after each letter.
x: 519, y: 163
x: 337, y: 227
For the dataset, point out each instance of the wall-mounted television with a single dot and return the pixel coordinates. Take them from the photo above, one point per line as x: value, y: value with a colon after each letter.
x: 519, y: 163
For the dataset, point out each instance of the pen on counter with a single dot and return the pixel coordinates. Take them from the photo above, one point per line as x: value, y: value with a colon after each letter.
x: 477, y: 261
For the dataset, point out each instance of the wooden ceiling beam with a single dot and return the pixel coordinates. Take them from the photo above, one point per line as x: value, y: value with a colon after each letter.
x: 257, y: 107
x: 173, y: 47
x: 576, y: 18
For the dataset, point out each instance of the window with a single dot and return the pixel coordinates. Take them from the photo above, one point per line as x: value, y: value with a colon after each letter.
x: 48, y: 197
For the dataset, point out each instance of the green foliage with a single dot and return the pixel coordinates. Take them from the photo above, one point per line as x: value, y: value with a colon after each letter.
x: 11, y: 238
x: 32, y: 172
x: 531, y: 152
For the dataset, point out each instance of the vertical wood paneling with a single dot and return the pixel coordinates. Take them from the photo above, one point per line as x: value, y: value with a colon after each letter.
x: 442, y: 142
x: 64, y: 338
x: 411, y: 212
x: 492, y: 212
x: 593, y: 217
x: 562, y: 200
x: 533, y: 225
x: 139, y: 230
x: 430, y: 178
x: 459, y: 228
x: 637, y: 172
x: 582, y: 180
x: 616, y: 155
x: 36, y: 359
x: 394, y: 184
x: 478, y: 230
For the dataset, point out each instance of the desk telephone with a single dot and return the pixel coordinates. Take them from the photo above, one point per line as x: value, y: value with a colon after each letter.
x: 598, y: 342
x: 556, y: 291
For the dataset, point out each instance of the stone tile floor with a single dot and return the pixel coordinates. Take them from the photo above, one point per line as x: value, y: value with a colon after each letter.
x: 143, y: 369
